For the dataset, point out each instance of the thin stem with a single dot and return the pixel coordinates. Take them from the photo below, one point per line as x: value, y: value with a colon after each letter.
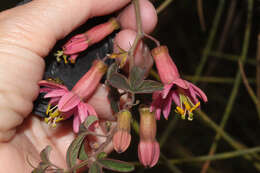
x: 165, y: 4
x: 232, y: 57
x: 235, y: 89
x: 201, y: 14
x: 226, y: 155
x: 249, y: 89
x: 139, y: 35
x: 258, y: 68
x: 210, y: 40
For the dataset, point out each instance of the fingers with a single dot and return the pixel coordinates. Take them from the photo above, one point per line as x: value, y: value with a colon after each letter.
x: 39, y: 24
x: 149, y: 18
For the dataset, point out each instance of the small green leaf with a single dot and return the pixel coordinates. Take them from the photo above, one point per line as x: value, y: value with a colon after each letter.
x: 119, y: 81
x: 82, y: 153
x: 149, y: 86
x: 43, y: 165
x: 73, y: 150
x: 95, y: 168
x: 102, y: 155
x: 90, y: 120
x: 114, y: 97
x: 45, y: 154
x: 116, y: 165
x: 136, y: 77
x: 111, y: 70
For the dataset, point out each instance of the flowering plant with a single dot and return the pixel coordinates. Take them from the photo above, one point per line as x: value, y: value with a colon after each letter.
x: 125, y: 79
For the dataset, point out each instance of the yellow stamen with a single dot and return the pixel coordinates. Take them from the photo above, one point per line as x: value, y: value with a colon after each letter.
x: 65, y: 59
x: 195, y: 107
x: 180, y: 111
x: 187, y: 105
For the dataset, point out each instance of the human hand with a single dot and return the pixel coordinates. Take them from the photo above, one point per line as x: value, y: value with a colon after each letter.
x: 27, y: 34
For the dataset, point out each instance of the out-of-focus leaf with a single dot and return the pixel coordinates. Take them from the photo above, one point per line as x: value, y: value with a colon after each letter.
x: 73, y: 150
x: 90, y: 120
x: 82, y: 152
x: 136, y: 77
x: 102, y: 155
x: 95, y: 168
x: 114, y: 97
x: 119, y: 81
x: 116, y: 165
x: 45, y: 154
x: 111, y: 70
x: 149, y: 86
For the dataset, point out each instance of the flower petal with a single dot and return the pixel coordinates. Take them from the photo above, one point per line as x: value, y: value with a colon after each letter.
x: 181, y: 83
x: 51, y: 85
x: 176, y: 98
x: 55, y: 93
x: 166, y: 90
x: 199, y: 92
x: 54, y: 100
x: 76, y: 123
x: 91, y: 110
x: 167, y: 107
x: 82, y: 111
x: 68, y: 102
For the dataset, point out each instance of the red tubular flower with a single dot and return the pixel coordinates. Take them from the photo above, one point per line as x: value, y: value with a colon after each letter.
x: 148, y: 148
x: 122, y: 137
x: 66, y: 103
x: 81, y: 42
x: 182, y: 92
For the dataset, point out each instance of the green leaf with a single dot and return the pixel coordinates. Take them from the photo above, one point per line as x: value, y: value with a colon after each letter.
x: 95, y: 168
x: 90, y: 120
x: 116, y: 165
x: 119, y: 81
x: 114, y: 97
x: 73, y: 150
x: 45, y: 154
x: 102, y: 155
x: 82, y: 152
x: 38, y: 170
x: 111, y: 70
x: 136, y: 77
x: 149, y: 86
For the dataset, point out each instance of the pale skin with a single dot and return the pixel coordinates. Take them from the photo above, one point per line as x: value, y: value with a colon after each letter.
x: 27, y: 34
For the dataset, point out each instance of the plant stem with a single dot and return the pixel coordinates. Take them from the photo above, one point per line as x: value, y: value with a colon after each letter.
x: 231, y: 57
x: 163, y: 6
x: 249, y: 89
x: 201, y: 14
x: 210, y: 41
x: 226, y: 155
x: 258, y: 68
x: 235, y: 89
x: 139, y: 34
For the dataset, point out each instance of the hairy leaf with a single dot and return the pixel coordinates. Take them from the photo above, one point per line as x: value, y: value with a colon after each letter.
x: 136, y: 77
x: 90, y: 120
x: 116, y: 165
x: 45, y: 154
x: 95, y: 168
x: 82, y: 152
x: 73, y: 150
x: 111, y: 70
x: 149, y: 86
x: 119, y: 81
x: 114, y: 97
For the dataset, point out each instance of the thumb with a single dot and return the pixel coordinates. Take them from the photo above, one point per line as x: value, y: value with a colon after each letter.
x: 27, y: 33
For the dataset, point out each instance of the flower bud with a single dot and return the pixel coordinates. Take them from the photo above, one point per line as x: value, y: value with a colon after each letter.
x: 167, y: 69
x: 85, y: 87
x: 148, y: 148
x: 122, y: 137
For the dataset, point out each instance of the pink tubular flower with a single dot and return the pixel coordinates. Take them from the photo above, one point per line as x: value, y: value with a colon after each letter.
x: 81, y: 42
x: 148, y: 148
x: 183, y: 93
x: 65, y: 103
x: 122, y: 137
